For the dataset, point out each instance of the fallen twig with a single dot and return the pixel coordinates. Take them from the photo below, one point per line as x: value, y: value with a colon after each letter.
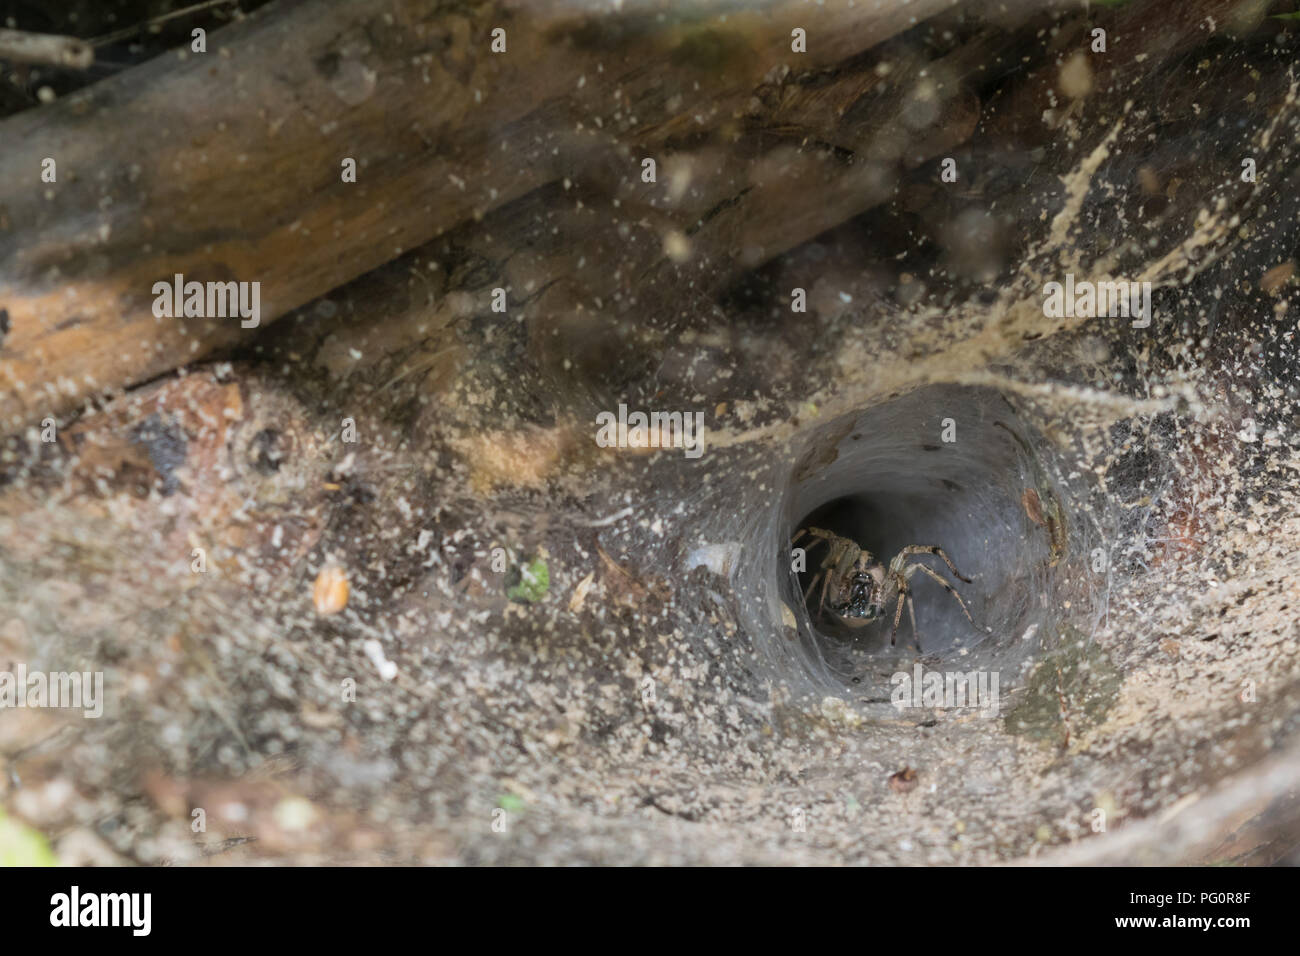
x: 47, y: 48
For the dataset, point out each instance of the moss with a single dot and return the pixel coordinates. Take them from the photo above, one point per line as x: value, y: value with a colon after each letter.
x: 533, y: 580
x: 1070, y: 691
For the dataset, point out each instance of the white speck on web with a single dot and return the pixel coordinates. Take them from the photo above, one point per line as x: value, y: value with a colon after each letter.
x: 375, y: 651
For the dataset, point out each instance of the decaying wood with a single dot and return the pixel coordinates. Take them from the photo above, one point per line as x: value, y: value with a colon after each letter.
x: 226, y: 165
x: 22, y: 47
x: 804, y: 154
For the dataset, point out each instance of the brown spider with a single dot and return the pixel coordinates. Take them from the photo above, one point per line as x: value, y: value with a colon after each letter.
x: 860, y: 587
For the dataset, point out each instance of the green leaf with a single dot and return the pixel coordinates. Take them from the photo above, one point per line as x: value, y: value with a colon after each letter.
x: 510, y: 803
x: 534, y: 581
x: 22, y: 846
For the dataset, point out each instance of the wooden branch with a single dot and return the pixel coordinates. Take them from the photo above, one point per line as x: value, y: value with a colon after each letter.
x: 592, y: 267
x: 225, y: 166
x: 46, y: 48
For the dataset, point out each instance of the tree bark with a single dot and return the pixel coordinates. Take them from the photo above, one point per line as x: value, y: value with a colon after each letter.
x: 226, y: 165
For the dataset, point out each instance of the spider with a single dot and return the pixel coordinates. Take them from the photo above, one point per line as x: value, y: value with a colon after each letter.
x: 860, y: 587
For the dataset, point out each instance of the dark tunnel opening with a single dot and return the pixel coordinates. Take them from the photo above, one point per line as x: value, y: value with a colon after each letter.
x: 942, y: 466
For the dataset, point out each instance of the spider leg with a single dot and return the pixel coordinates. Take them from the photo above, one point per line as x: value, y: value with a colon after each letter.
x: 911, y: 612
x: 844, y: 565
x: 826, y: 586
x: 818, y: 537
x: 811, y: 584
x: 916, y: 549
x: 946, y: 586
x: 904, y: 594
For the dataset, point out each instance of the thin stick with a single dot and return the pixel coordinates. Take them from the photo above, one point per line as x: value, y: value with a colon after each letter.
x: 136, y: 28
x: 47, y: 48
